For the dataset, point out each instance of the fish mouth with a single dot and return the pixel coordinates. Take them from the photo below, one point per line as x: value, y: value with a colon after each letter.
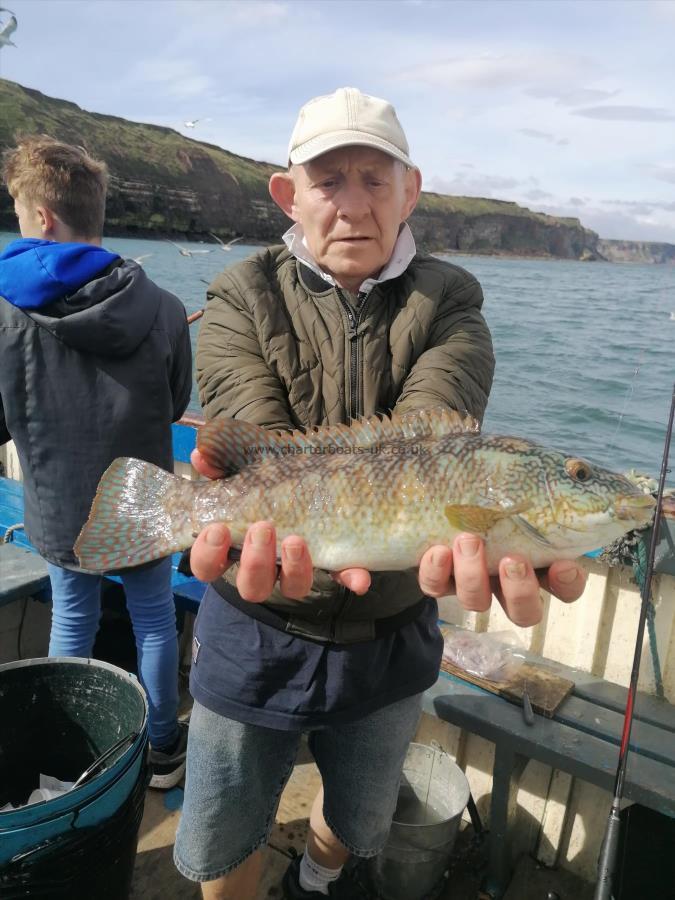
x: 638, y: 508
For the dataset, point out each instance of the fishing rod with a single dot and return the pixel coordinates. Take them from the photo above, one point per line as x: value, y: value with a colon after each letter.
x: 610, y: 844
x: 197, y: 315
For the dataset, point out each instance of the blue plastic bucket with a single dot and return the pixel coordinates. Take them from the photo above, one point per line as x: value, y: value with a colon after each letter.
x: 58, y: 717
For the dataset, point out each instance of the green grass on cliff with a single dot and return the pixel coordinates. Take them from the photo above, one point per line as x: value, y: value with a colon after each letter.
x: 132, y: 150
x: 137, y: 152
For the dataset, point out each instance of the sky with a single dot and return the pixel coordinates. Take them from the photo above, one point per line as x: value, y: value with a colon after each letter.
x: 565, y: 107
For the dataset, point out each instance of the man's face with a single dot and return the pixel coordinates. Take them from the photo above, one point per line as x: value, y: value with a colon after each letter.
x: 30, y: 220
x: 351, y: 203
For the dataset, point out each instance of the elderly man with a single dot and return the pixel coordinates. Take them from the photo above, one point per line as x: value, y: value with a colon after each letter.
x: 344, y: 321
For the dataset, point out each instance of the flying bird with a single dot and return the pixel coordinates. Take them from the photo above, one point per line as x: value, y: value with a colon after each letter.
x: 183, y: 251
x: 223, y: 245
x: 192, y: 122
x: 8, y: 29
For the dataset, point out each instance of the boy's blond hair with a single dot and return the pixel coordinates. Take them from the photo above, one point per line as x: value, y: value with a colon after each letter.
x: 43, y: 171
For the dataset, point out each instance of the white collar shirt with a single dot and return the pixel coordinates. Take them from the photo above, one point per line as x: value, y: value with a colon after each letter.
x: 402, y: 254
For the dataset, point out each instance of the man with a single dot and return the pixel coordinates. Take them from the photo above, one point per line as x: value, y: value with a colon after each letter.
x: 344, y: 321
x: 96, y: 363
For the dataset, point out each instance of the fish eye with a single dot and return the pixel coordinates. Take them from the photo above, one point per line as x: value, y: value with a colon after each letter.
x: 578, y: 469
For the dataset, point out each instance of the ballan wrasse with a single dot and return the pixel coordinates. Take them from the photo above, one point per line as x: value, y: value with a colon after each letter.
x: 376, y: 494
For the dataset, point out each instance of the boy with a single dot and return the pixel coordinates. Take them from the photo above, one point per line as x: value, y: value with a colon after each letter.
x: 96, y: 363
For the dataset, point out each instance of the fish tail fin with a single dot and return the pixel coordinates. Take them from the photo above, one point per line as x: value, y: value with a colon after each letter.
x: 139, y: 513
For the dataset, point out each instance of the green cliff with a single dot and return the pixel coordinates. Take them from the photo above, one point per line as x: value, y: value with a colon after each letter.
x: 164, y: 183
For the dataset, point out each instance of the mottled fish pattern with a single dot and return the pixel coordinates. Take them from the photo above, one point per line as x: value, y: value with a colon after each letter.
x: 376, y: 494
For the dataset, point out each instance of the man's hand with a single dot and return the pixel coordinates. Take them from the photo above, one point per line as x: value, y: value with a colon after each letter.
x: 258, y: 567
x: 462, y: 570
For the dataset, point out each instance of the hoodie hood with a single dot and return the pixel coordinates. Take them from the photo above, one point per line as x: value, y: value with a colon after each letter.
x: 106, y: 312
x: 35, y: 273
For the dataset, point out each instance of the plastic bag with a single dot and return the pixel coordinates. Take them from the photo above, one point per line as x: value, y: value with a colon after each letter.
x: 495, y: 656
x: 50, y: 787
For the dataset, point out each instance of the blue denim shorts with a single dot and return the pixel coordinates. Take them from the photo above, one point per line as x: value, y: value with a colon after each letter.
x: 236, y: 773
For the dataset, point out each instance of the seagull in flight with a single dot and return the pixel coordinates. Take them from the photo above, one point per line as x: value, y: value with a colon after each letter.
x: 192, y: 122
x: 183, y: 251
x: 8, y: 29
x: 223, y: 245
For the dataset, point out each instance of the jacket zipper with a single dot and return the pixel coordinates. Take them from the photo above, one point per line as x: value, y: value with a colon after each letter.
x: 355, y: 406
x: 355, y: 375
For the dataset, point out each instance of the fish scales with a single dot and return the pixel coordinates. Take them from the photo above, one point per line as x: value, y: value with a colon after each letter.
x: 375, y: 495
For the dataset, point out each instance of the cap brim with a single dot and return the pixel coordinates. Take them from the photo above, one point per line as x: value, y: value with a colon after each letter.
x: 326, y: 142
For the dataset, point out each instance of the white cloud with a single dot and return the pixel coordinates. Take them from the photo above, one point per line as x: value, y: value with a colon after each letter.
x: 489, y: 71
x: 626, y: 113
x: 663, y: 172
x: 577, y: 97
x: 471, y: 184
x: 538, y: 194
x: 260, y: 12
x: 180, y: 79
x: 663, y: 9
x: 228, y: 13
x: 543, y: 136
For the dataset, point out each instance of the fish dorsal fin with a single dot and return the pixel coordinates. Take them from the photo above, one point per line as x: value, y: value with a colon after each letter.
x: 231, y: 444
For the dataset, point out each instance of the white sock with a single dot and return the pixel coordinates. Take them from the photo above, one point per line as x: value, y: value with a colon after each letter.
x: 314, y: 877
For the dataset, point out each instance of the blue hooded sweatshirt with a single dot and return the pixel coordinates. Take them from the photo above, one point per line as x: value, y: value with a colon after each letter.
x: 92, y: 366
x: 35, y: 273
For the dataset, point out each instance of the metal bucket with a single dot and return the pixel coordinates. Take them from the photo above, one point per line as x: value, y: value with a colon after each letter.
x: 432, y: 796
x: 59, y: 716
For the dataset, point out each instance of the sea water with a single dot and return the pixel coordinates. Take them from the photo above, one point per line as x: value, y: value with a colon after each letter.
x: 584, y: 351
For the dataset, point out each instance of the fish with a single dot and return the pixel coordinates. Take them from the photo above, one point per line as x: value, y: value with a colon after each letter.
x: 375, y: 494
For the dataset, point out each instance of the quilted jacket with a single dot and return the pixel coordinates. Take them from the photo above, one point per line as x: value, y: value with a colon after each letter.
x: 280, y: 347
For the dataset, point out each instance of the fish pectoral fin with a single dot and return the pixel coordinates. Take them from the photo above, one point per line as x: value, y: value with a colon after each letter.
x: 531, y: 531
x: 478, y: 519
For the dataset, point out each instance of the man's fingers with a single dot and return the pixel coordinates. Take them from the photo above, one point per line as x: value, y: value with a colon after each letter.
x: 203, y: 467
x: 356, y: 580
x: 435, y: 571
x: 566, y: 580
x: 471, y: 575
x: 520, y: 595
x: 208, y: 557
x: 296, y: 568
x: 257, y: 568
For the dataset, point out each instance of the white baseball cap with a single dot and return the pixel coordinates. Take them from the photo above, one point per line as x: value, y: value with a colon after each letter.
x: 343, y: 119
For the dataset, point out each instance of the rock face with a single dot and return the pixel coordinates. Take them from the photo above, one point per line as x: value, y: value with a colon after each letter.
x: 636, y: 251
x: 162, y: 183
x: 476, y: 225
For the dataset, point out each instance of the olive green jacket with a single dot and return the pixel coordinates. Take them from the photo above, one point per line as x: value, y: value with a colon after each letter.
x: 280, y: 347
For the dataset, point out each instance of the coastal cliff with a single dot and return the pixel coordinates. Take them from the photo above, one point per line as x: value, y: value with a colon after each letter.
x: 162, y: 183
x: 636, y: 252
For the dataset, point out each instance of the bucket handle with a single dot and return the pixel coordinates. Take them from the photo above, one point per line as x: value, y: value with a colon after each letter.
x: 89, y: 771
x: 471, y: 807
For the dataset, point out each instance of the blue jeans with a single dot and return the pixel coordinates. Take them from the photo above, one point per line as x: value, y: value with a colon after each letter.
x: 236, y: 773
x: 76, y: 610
